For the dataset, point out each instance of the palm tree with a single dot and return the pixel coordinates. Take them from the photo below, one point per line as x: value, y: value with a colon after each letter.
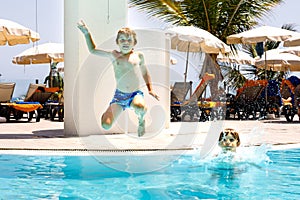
x: 219, y: 17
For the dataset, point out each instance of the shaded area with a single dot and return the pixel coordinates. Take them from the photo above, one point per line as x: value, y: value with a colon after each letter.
x: 52, y: 133
x: 281, y: 122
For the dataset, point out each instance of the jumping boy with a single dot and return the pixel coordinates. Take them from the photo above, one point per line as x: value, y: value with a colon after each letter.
x: 126, y: 64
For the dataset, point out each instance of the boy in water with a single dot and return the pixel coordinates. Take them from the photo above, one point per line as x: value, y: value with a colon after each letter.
x: 229, y: 140
x: 126, y: 64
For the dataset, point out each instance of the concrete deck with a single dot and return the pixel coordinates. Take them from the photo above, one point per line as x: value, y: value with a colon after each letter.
x: 49, y: 135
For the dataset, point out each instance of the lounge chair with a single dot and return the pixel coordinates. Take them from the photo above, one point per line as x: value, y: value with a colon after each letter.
x: 190, y: 106
x: 37, y: 93
x: 179, y: 94
x: 55, y: 109
x: 180, y: 91
x: 297, y: 100
x: 33, y: 103
x: 273, y: 102
x: 6, y: 93
x: 245, y: 104
x: 287, y: 91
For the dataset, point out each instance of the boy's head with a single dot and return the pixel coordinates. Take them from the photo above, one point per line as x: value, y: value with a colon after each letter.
x: 229, y: 139
x: 128, y: 33
x: 126, y: 40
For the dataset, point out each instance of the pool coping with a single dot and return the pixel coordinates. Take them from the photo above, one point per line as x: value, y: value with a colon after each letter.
x: 120, y: 152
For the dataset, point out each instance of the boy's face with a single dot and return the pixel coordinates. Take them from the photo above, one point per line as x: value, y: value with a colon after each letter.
x: 228, y: 143
x: 126, y: 43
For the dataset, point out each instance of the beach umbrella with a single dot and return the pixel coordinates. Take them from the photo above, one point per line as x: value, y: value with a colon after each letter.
x: 239, y: 58
x: 51, y: 53
x: 293, y: 50
x: 41, y: 54
x: 293, y: 41
x: 12, y: 33
x: 261, y: 34
x: 279, y: 61
x: 192, y: 39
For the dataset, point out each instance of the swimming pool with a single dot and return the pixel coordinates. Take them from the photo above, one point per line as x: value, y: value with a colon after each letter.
x: 274, y: 175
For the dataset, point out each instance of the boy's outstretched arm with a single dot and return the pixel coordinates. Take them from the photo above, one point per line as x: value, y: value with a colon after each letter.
x: 147, y: 77
x: 90, y: 42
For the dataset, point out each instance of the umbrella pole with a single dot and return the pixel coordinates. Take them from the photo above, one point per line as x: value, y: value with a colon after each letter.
x: 266, y: 90
x: 186, y: 63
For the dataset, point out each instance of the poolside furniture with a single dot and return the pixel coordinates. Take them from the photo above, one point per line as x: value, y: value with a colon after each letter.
x: 55, y: 109
x: 179, y: 94
x: 297, y: 100
x: 39, y: 93
x: 190, y: 107
x: 270, y: 99
x: 6, y: 93
x: 287, y: 90
x: 36, y: 97
x: 245, y: 104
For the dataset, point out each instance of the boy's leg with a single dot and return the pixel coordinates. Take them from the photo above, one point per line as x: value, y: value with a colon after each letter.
x: 138, y: 104
x: 110, y: 115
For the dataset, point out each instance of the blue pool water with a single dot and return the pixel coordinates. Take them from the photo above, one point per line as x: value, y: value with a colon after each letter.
x: 274, y: 175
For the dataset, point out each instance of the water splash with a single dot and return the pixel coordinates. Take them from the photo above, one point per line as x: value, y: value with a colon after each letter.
x: 256, y: 155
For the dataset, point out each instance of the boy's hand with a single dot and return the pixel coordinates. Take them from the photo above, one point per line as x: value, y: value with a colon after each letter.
x: 81, y: 25
x: 154, y: 95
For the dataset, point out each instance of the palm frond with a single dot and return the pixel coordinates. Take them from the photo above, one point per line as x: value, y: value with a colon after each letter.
x: 243, y: 15
x: 166, y: 10
x: 233, y: 76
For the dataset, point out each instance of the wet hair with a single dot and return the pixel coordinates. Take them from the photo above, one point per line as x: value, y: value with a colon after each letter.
x: 231, y: 131
x: 126, y: 31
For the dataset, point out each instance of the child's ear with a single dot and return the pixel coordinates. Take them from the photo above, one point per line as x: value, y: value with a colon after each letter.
x: 238, y: 140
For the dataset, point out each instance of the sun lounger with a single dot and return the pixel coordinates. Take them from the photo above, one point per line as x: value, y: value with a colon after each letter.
x: 190, y: 106
x: 287, y: 90
x: 270, y: 99
x: 6, y: 93
x: 297, y: 100
x: 55, y: 109
x: 33, y: 103
x: 179, y: 93
x: 245, y: 104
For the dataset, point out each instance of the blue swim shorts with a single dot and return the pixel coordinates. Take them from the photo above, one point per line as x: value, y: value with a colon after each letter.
x: 124, y: 99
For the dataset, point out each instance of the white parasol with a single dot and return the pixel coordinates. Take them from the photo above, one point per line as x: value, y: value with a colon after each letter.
x: 12, y: 33
x: 279, y: 61
x: 293, y: 41
x: 41, y: 54
x: 239, y: 58
x: 193, y: 39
